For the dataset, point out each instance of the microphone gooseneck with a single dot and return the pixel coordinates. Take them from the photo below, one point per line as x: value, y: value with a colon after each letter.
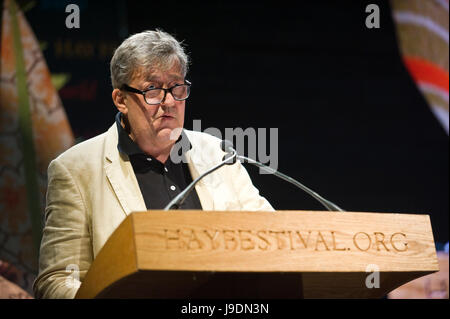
x: 326, y: 203
x: 177, y: 201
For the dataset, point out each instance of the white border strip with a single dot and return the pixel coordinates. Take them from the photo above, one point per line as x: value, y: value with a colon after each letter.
x: 442, y: 116
x: 416, y: 19
x: 443, y: 3
x: 433, y: 89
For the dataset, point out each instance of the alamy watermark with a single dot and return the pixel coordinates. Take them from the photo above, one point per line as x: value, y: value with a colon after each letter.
x: 373, y: 19
x: 73, y: 19
x: 73, y: 279
x: 262, y: 143
x: 373, y: 279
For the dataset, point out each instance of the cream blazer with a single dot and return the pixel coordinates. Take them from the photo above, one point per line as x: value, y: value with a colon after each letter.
x: 91, y: 190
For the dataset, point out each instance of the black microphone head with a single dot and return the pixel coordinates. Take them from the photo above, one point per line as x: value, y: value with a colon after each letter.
x: 226, y: 146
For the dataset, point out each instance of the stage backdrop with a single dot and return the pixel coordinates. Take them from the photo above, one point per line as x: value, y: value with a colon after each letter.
x: 358, y: 110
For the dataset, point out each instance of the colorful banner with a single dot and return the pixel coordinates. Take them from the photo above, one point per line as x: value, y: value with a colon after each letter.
x: 33, y: 130
x: 422, y: 30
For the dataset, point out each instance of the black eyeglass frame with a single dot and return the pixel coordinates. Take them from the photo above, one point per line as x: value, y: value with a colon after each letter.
x: 128, y: 88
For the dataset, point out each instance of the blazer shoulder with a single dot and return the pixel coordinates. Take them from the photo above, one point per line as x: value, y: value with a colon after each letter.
x: 84, y: 152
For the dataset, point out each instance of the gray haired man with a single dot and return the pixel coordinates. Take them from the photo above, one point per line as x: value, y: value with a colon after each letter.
x: 93, y: 186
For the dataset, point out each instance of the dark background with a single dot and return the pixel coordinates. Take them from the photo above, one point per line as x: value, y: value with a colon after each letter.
x: 352, y: 124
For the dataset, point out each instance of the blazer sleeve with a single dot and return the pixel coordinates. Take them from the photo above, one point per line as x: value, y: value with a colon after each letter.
x: 66, y: 248
x: 247, y: 193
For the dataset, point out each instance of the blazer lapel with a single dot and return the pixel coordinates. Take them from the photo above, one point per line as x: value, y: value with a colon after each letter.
x: 213, y: 192
x: 120, y: 174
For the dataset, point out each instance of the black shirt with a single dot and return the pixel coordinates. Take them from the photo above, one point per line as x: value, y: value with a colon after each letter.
x: 159, y: 183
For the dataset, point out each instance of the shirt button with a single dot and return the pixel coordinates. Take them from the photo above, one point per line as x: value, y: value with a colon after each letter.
x: 149, y: 159
x: 172, y: 187
x: 165, y: 168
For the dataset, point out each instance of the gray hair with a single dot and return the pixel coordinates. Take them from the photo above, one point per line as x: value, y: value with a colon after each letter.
x: 148, y: 49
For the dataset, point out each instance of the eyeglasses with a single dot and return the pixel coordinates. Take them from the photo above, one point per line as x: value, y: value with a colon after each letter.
x: 153, y: 96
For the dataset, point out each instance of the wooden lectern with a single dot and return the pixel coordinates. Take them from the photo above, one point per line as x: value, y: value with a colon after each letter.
x: 283, y: 254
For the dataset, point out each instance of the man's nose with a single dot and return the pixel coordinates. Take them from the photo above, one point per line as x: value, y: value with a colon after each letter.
x: 168, y: 99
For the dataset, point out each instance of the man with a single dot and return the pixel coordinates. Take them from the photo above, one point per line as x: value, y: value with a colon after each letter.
x: 93, y: 186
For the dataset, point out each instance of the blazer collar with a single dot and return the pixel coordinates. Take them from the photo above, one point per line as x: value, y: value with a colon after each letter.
x: 125, y: 185
x: 120, y: 174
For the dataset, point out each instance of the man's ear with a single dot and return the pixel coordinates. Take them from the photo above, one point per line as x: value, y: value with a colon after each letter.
x: 119, y: 101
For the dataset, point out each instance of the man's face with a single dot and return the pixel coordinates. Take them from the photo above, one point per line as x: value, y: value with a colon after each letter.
x: 155, y: 122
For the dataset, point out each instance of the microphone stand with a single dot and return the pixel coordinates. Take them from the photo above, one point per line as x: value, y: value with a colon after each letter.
x: 326, y: 203
x: 181, y: 197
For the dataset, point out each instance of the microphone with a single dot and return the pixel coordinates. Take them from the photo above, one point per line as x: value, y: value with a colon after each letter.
x: 326, y: 203
x: 228, y: 159
x: 227, y: 146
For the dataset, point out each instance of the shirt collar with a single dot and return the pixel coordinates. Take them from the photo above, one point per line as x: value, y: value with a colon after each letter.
x: 127, y: 146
